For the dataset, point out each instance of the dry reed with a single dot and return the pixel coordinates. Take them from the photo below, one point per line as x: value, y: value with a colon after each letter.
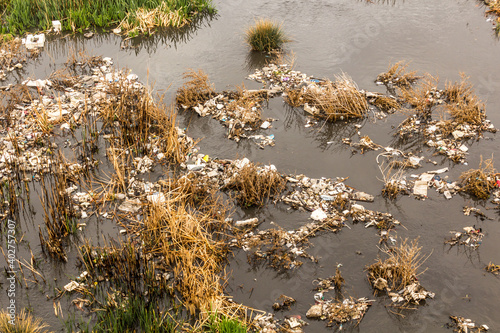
x: 397, y: 75
x: 479, y: 182
x: 196, y: 90
x: 401, y: 268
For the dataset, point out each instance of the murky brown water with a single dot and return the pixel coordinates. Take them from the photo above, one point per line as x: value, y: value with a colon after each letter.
x: 329, y: 37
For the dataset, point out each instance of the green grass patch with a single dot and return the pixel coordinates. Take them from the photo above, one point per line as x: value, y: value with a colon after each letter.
x: 266, y: 35
x: 76, y: 15
x: 223, y: 324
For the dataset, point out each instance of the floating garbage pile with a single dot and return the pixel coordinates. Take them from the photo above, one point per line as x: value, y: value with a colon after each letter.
x: 470, y: 237
x: 240, y: 111
x: 463, y: 325
x: 462, y: 113
x: 338, y: 312
x: 397, y: 275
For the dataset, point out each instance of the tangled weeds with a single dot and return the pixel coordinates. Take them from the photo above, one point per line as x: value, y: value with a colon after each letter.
x: 398, y: 274
x: 462, y: 325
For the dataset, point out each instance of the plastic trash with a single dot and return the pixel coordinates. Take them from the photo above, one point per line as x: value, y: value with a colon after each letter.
x: 247, y: 223
x: 318, y: 215
x: 34, y: 41
x: 56, y: 25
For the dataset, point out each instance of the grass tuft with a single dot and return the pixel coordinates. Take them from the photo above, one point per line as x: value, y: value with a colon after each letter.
x: 266, y: 35
x: 23, y: 323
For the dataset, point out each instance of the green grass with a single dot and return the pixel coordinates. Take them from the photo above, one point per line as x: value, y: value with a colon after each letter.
x: 266, y: 35
x: 224, y: 325
x: 127, y: 316
x: 76, y: 15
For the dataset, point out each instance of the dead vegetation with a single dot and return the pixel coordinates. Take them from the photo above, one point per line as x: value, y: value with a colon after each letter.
x: 254, y: 185
x: 479, y: 182
x: 196, y: 90
x: 397, y: 75
x: 463, y: 104
x: 398, y: 273
x: 337, y: 100
x: 386, y: 103
x: 463, y: 325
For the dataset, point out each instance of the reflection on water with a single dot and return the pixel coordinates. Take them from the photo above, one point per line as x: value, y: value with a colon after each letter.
x: 167, y: 37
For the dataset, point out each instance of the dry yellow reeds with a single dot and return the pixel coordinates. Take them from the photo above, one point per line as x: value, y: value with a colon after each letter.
x: 400, y: 268
x: 397, y: 75
x: 479, y: 182
x: 196, y: 90
x: 386, y: 103
x: 21, y: 322
x: 421, y: 98
x: 254, y: 185
x: 146, y: 21
x: 463, y: 104
x: 337, y: 100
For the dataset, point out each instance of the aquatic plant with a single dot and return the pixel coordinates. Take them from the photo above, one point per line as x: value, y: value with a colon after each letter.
x: 266, y: 35
x: 23, y: 323
x: 141, y: 16
x: 223, y: 324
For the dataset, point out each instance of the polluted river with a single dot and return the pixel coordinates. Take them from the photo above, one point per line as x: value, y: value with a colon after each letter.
x: 337, y: 195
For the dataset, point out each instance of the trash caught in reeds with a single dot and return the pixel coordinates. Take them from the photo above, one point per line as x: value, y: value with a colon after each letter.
x: 463, y: 104
x: 340, y: 311
x: 76, y: 15
x: 254, y: 185
x: 422, y: 97
x: 479, y: 182
x: 398, y: 273
x: 21, y: 322
x: 386, y: 103
x: 397, y: 75
x: 196, y: 90
x: 391, y: 166
x: 265, y: 35
x: 335, y: 100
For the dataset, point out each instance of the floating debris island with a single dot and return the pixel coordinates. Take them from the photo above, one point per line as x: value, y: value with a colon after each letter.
x: 463, y: 325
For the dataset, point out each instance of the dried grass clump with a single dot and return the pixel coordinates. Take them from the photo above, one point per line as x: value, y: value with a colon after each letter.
x: 294, y: 97
x: 396, y: 74
x: 265, y: 35
x: 337, y: 100
x: 197, y: 90
x: 479, y: 182
x: 255, y: 185
x: 23, y: 323
x: 422, y: 97
x: 401, y: 267
x: 464, y: 105
x: 386, y: 103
